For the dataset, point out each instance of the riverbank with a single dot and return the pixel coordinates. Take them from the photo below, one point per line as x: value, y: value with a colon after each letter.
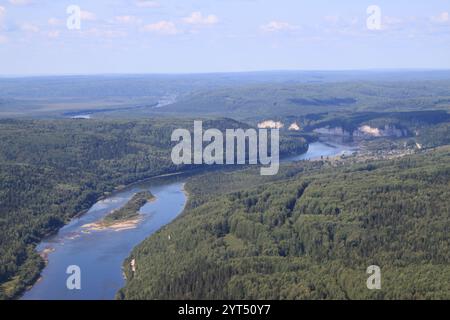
x: 101, y: 247
x: 131, y: 215
x: 116, y: 226
x: 122, y: 226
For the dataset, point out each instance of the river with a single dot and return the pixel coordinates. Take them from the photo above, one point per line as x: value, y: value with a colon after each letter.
x: 100, y: 254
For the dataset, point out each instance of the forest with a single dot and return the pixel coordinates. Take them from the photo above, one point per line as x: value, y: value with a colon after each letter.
x: 52, y: 170
x: 308, y: 233
x: 249, y: 97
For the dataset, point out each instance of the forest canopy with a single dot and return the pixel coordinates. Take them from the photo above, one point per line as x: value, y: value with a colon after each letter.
x: 52, y: 170
x: 308, y: 233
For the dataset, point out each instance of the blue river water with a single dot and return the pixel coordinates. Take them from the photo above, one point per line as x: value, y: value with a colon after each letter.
x: 100, y: 254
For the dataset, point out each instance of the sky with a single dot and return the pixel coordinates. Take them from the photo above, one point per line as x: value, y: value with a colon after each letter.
x: 200, y: 36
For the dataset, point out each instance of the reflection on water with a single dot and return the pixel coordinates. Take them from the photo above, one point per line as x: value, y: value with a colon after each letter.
x: 100, y: 254
x: 323, y: 149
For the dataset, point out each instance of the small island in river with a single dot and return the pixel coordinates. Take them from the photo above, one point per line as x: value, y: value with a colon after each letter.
x: 124, y: 218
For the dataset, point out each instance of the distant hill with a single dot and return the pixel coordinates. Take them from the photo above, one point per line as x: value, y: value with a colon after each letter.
x: 281, y: 101
x: 237, y: 95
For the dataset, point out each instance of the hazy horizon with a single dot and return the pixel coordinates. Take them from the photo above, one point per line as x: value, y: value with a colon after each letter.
x: 378, y: 70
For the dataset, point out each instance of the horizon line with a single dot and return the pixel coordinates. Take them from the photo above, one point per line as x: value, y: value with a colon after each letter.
x: 38, y: 75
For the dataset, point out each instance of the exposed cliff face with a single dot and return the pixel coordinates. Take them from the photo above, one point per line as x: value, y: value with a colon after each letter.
x: 270, y: 124
x: 387, y: 131
x: 365, y: 131
x: 294, y: 127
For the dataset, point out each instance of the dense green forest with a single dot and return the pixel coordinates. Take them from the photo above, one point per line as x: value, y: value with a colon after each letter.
x: 308, y: 233
x: 314, y: 217
x: 54, y: 169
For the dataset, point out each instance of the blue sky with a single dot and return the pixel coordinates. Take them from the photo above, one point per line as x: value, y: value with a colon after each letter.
x: 183, y: 36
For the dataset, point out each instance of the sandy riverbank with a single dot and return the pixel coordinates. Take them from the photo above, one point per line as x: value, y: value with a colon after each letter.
x: 44, y: 253
x: 115, y: 226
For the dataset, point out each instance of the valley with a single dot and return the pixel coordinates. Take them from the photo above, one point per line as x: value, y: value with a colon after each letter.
x: 355, y: 173
x: 87, y: 239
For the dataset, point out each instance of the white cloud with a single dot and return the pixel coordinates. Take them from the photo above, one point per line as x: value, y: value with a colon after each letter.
x: 161, y: 27
x: 443, y: 17
x: 29, y: 27
x: 128, y: 20
x: 392, y: 24
x: 101, y: 33
x: 53, y: 34
x: 3, y: 39
x: 88, y: 16
x: 147, y: 4
x: 2, y: 13
x: 392, y: 21
x: 197, y: 18
x: 332, y: 19
x: 339, y: 21
x: 55, y: 22
x: 2, y: 16
x: 20, y: 2
x: 276, y: 26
